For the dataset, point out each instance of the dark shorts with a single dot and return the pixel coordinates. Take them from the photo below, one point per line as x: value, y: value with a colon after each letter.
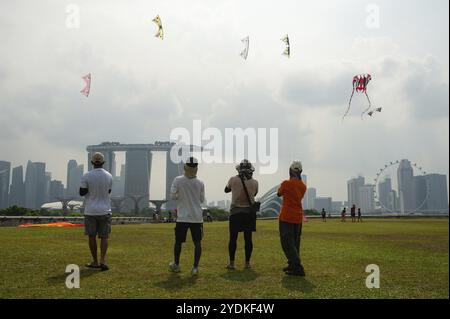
x: 97, y: 225
x: 242, y: 222
x: 181, y: 230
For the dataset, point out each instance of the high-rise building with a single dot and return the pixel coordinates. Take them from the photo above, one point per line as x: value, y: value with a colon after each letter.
x: 73, y: 187
x: 353, y: 186
x: 366, y: 198
x: 17, y: 191
x: 35, y: 185
x: 48, y: 180
x: 384, y: 194
x: 70, y: 165
x: 137, y: 178
x: 420, y: 193
x: 405, y: 179
x: 437, y: 197
x: 393, y: 201
x: 118, y: 188
x: 336, y: 206
x: 310, y: 198
x: 5, y: 173
x: 56, y: 191
x: 323, y: 203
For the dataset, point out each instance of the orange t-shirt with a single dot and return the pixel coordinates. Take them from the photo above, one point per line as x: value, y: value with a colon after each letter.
x: 292, y: 192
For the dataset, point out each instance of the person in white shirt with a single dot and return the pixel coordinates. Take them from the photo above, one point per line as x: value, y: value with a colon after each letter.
x: 96, y: 188
x: 189, y: 192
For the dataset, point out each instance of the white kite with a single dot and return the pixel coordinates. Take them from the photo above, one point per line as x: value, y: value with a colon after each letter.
x: 85, y: 91
x: 244, y: 52
x: 160, y: 32
x: 287, y: 50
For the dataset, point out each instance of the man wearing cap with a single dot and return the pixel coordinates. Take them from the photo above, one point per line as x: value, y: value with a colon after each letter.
x: 189, y: 192
x: 290, y: 218
x: 95, y: 187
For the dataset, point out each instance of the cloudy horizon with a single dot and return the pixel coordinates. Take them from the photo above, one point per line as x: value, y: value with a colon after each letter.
x: 143, y: 88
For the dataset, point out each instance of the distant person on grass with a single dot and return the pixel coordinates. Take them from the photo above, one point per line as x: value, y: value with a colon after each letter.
x: 324, y: 215
x: 359, y: 215
x: 242, y: 218
x: 96, y: 188
x: 290, y: 218
x: 343, y: 213
x: 189, y: 192
x: 353, y: 213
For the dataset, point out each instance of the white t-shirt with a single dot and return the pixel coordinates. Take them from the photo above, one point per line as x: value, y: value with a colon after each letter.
x: 97, y: 201
x: 190, y: 194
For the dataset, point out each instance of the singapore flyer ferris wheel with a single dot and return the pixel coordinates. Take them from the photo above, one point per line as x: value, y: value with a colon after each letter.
x: 411, y: 192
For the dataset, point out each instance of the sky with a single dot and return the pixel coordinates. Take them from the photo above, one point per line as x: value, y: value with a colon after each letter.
x: 143, y: 88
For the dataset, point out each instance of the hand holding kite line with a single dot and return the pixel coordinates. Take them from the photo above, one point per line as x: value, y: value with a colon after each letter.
x: 160, y: 32
x: 244, y: 52
x: 87, y: 88
x: 360, y: 83
x: 287, y: 50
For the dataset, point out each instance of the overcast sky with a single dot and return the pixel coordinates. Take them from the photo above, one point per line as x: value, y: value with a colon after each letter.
x: 143, y: 87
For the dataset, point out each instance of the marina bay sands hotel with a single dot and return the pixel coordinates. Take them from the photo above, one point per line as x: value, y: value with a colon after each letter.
x: 138, y: 163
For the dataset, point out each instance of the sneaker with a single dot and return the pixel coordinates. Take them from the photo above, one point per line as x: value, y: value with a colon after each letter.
x: 194, y: 271
x: 174, y: 267
x: 296, y: 271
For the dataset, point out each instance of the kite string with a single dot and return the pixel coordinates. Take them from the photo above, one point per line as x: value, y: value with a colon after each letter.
x: 370, y: 104
x: 349, y: 104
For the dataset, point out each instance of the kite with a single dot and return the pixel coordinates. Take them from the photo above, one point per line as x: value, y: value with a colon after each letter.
x: 87, y: 88
x: 360, y: 83
x: 51, y: 225
x: 244, y: 52
x: 160, y: 32
x: 287, y: 50
x: 376, y: 110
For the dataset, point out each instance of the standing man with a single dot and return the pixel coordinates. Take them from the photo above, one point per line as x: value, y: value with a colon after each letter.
x: 189, y: 192
x: 96, y: 188
x: 290, y: 218
x: 324, y: 215
x: 353, y: 213
x: 359, y: 215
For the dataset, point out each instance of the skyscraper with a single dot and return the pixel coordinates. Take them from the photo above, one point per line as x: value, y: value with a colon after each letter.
x: 35, y: 185
x: 70, y: 165
x: 437, y: 197
x: 310, y: 198
x: 137, y: 177
x: 420, y: 193
x: 353, y: 186
x: 405, y: 179
x: 384, y: 194
x: 366, y: 198
x: 56, y: 191
x: 75, y: 174
x: 17, y: 191
x: 5, y: 173
x: 323, y: 203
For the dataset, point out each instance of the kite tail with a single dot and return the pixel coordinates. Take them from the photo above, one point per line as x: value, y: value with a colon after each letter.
x: 369, y: 107
x: 349, y: 104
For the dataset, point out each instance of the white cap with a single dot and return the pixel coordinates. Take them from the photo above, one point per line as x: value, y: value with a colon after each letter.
x: 296, y: 166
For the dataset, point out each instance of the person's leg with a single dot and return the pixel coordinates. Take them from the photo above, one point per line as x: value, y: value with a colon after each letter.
x: 177, y: 252
x: 197, y: 253
x: 103, y: 249
x: 288, y: 243
x: 248, y: 247
x: 232, y: 245
x: 93, y: 249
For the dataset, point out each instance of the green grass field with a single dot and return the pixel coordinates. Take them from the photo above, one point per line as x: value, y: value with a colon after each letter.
x: 412, y: 256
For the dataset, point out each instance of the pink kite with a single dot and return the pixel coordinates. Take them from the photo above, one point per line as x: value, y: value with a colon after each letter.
x: 87, y: 88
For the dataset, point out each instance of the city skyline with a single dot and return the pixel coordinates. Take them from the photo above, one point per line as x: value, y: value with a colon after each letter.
x: 142, y: 89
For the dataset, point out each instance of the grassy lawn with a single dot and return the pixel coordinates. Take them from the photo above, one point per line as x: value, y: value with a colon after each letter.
x: 412, y: 256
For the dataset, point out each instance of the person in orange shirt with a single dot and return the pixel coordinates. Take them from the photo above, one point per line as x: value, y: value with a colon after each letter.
x: 290, y: 218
